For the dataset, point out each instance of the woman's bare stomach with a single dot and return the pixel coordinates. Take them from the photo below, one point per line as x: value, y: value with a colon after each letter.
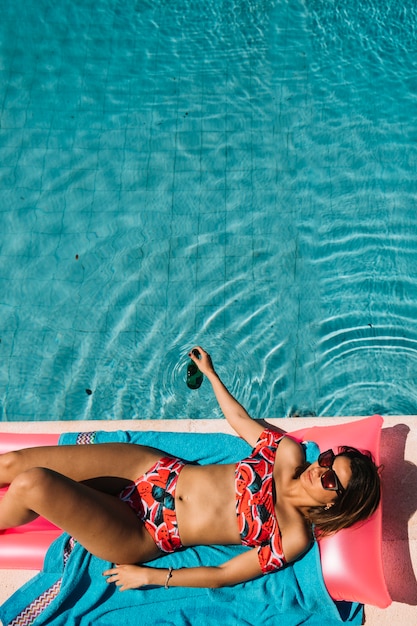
x: 205, y: 504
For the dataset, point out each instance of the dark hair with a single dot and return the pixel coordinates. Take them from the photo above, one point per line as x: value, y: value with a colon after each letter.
x: 358, y: 501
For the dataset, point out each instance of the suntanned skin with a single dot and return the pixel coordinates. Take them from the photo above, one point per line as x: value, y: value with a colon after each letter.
x: 76, y: 487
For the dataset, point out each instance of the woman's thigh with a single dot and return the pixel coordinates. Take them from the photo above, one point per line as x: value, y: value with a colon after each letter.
x: 82, y: 462
x: 103, y: 524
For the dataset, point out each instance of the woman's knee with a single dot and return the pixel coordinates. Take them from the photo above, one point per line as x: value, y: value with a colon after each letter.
x: 9, y: 467
x: 32, y: 484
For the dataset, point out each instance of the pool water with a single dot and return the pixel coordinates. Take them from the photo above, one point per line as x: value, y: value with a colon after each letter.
x: 234, y: 173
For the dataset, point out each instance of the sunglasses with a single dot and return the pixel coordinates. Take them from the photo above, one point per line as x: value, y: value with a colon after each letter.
x: 329, y: 479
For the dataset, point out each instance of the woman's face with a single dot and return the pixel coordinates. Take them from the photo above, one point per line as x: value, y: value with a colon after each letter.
x: 311, y: 480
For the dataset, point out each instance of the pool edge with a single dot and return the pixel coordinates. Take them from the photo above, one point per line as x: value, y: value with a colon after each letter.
x: 402, y: 428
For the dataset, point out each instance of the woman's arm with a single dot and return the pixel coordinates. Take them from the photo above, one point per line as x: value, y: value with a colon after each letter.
x: 236, y: 415
x: 238, y: 570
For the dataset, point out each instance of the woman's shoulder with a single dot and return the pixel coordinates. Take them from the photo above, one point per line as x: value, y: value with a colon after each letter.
x: 297, y: 538
x: 291, y: 451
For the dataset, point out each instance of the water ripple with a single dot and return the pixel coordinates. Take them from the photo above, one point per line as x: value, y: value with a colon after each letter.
x: 239, y: 175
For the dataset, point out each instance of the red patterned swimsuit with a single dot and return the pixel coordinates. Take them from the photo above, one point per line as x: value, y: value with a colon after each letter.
x: 258, y: 525
x: 152, y: 497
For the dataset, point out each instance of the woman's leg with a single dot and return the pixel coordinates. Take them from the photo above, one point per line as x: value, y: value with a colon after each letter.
x: 82, y: 462
x: 103, y: 524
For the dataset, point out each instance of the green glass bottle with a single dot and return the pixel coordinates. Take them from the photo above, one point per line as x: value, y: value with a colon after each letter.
x: 194, y: 376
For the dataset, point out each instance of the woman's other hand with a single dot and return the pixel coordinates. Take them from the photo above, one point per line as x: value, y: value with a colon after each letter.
x: 127, y: 576
x: 203, y: 360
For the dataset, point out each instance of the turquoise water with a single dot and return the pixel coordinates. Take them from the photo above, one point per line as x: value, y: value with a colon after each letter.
x: 236, y: 173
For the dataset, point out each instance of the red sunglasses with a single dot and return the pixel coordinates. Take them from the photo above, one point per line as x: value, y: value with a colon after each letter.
x: 329, y: 479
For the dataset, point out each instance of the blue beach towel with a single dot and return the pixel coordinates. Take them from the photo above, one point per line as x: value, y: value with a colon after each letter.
x: 293, y: 596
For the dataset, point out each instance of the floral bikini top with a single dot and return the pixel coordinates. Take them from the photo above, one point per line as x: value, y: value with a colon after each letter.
x: 258, y: 525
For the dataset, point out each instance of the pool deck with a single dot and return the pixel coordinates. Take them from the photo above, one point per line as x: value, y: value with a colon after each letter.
x: 398, y: 455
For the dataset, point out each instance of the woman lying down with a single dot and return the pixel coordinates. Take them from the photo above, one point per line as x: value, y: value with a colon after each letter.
x: 130, y: 504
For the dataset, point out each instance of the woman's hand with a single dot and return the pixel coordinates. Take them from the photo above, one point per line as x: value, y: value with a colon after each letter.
x: 241, y: 568
x: 233, y: 411
x: 203, y: 360
x: 128, y: 576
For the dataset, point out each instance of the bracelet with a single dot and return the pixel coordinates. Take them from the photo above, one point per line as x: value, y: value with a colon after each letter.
x: 169, y: 575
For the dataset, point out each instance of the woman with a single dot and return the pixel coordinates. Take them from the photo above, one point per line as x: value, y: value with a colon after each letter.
x: 273, y: 494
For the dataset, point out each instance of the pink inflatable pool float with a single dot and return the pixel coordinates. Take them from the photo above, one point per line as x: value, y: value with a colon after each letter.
x: 351, y: 559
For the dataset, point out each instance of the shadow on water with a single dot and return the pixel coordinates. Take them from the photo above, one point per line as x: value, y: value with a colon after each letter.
x: 399, y: 483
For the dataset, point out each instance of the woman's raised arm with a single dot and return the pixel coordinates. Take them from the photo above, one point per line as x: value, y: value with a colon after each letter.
x: 236, y: 415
